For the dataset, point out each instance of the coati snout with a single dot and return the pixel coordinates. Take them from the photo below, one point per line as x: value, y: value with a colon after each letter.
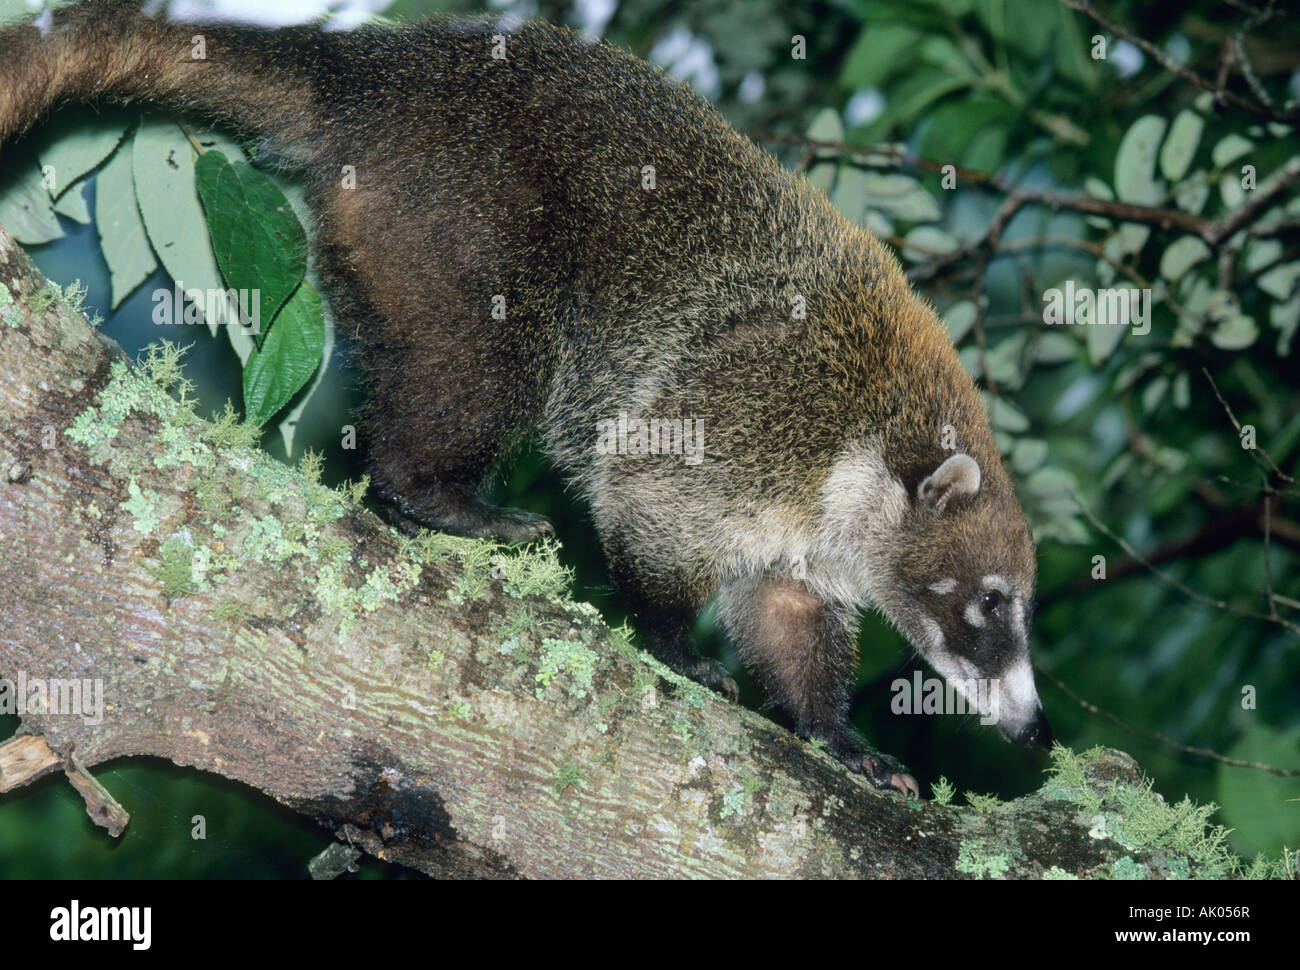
x: 970, y: 587
x: 649, y: 261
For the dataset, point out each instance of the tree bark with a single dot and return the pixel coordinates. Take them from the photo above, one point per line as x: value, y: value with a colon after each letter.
x: 419, y: 701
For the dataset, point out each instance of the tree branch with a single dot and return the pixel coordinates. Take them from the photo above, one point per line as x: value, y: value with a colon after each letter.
x: 435, y: 703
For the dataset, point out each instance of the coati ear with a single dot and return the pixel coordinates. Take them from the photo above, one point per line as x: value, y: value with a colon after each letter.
x: 958, y: 475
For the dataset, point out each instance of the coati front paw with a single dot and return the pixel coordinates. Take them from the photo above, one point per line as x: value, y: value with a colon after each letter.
x: 714, y: 676
x: 878, y: 770
x: 478, y: 520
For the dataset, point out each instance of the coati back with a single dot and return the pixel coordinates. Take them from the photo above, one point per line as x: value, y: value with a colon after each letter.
x: 657, y: 272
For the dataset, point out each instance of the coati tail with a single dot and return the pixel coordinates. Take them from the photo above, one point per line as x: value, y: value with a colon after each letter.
x: 107, y: 51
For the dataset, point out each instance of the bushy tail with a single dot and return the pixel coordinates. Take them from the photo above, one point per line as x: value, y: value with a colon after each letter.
x: 107, y: 51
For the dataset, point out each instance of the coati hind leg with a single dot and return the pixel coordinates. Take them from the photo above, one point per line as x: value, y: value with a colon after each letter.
x: 449, y: 389
x: 804, y: 651
x: 435, y: 437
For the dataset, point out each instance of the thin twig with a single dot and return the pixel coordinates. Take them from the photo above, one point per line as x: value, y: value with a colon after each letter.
x: 1268, y: 554
x: 1157, y: 736
x: 1169, y: 64
x: 1175, y: 583
x: 1212, y: 231
x: 1237, y: 424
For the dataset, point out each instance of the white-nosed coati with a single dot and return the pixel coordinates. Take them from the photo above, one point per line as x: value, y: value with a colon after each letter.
x: 653, y: 265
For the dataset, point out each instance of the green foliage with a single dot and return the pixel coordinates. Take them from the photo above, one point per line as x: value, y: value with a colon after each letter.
x: 229, y: 430
x: 1265, y: 808
x: 261, y: 248
x: 942, y: 791
x: 983, y: 859
x: 568, y: 776
x: 259, y: 243
x: 537, y: 572
x: 1179, y: 834
x: 148, y: 211
x: 984, y: 804
x: 1118, y: 417
x: 570, y: 657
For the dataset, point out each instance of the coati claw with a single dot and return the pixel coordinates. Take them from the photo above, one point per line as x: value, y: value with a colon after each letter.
x: 882, y: 775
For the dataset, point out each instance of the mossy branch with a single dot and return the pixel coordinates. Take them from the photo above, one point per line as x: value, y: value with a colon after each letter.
x: 436, y: 702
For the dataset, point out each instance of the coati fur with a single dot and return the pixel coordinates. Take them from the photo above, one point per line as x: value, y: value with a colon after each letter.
x: 651, y: 263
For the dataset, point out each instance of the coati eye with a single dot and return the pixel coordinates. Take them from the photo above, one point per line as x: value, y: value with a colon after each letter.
x: 990, y: 602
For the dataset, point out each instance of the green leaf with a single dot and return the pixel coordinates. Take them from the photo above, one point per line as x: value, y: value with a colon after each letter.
x: 1182, y: 391
x: 1054, y: 347
x: 930, y: 241
x: 822, y: 175
x: 902, y: 196
x: 969, y: 131
x: 959, y: 318
x: 1286, y: 318
x: 877, y: 54
x: 1005, y: 416
x: 121, y: 233
x: 851, y: 191
x: 162, y: 161
x: 1002, y: 360
x: 1231, y: 192
x: 1236, y: 333
x: 1098, y: 189
x: 1193, y: 192
x: 287, y: 358
x: 289, y: 424
x: 1279, y: 282
x: 73, y: 205
x: 26, y: 208
x: 1231, y: 148
x: 987, y: 149
x: 1056, y: 483
x: 1028, y: 454
x: 1183, y: 253
x: 1135, y: 162
x: 1178, y: 149
x: 1154, y: 393
x: 878, y: 223
x: 827, y: 127
x: 1127, y: 241
x: 74, y: 145
x: 1102, y: 339
x: 1072, y: 51
x: 259, y: 243
x: 910, y: 97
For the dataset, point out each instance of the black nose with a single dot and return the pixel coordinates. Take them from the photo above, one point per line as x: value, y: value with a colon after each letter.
x: 1036, y: 734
